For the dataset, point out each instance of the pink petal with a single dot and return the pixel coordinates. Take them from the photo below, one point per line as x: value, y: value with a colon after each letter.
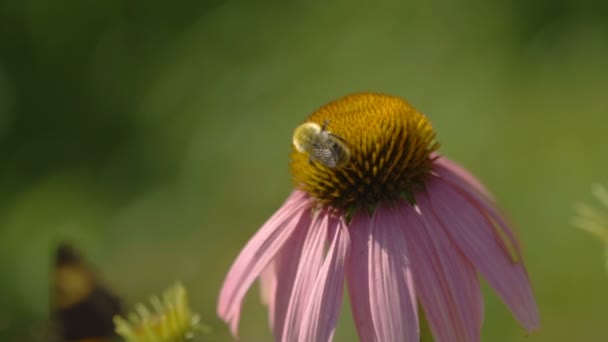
x: 446, y: 281
x: 286, y: 267
x: 276, y: 281
x: 268, y: 289
x: 357, y: 274
x: 458, y: 174
x: 326, y: 296
x: 307, y: 271
x: 392, y: 296
x: 480, y: 197
x: 473, y: 234
x: 258, y: 253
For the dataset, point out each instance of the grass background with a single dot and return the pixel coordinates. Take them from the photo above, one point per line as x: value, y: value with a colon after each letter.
x: 154, y: 135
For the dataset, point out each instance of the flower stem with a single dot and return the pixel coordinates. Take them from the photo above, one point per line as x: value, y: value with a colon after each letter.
x: 425, y: 330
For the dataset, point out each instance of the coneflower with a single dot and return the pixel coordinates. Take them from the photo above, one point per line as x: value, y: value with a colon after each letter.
x: 375, y: 204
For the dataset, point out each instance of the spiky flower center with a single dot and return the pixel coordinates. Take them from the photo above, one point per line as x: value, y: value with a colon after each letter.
x: 388, y: 144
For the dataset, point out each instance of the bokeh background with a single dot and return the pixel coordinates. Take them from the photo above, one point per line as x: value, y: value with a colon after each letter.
x: 154, y: 135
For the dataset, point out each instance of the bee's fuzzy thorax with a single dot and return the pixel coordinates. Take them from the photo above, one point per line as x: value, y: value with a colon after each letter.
x: 389, y: 144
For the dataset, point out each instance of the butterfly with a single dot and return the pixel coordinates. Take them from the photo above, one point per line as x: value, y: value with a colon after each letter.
x: 82, y: 308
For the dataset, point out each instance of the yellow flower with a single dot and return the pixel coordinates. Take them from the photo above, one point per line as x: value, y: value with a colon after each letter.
x: 170, y: 320
x: 592, y: 220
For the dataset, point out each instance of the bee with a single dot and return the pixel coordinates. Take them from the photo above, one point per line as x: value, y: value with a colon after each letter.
x: 322, y: 146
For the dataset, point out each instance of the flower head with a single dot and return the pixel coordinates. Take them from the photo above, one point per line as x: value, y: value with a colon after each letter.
x: 593, y: 220
x: 170, y: 321
x: 402, y: 224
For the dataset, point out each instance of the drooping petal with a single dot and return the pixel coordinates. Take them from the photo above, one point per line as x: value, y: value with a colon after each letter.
x: 307, y: 271
x: 286, y: 267
x: 392, y: 295
x: 268, y: 289
x: 257, y: 254
x: 357, y: 274
x: 458, y: 174
x: 446, y: 282
x: 325, y: 301
x: 458, y: 177
x: 276, y: 281
x: 473, y: 234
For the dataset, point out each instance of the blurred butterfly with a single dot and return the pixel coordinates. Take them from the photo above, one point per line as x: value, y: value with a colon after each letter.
x: 82, y: 308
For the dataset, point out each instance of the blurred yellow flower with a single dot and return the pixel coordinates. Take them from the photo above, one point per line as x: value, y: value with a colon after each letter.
x: 170, y: 320
x: 592, y: 220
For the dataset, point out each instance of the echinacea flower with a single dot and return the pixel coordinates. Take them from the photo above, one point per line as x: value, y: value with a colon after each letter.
x: 400, y: 223
x: 593, y: 220
x: 170, y: 320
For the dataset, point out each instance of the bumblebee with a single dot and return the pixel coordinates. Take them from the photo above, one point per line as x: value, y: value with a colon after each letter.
x: 322, y: 146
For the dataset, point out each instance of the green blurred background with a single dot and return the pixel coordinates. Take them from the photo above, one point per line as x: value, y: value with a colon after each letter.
x: 154, y: 135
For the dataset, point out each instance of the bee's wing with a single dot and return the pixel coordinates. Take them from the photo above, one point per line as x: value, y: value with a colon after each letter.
x: 325, y: 156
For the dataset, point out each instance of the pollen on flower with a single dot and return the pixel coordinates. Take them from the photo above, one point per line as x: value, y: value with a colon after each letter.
x: 390, y: 145
x: 170, y: 320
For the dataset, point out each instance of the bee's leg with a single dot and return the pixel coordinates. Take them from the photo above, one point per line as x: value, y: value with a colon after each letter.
x: 324, y: 128
x: 338, y: 137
